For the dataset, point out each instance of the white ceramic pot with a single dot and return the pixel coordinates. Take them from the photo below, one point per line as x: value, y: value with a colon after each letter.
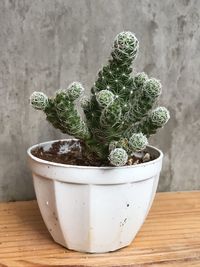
x: 94, y: 209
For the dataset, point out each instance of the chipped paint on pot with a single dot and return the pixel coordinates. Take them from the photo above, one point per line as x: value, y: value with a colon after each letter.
x: 94, y: 209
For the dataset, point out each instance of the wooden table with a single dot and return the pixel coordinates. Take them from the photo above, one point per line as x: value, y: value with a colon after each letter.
x: 169, y: 237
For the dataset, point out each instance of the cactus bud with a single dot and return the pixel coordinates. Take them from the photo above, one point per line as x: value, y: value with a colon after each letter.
x: 137, y: 142
x: 38, y: 100
x: 85, y: 102
x: 159, y: 116
x: 104, y: 98
x: 152, y: 88
x: 140, y: 79
x: 118, y: 157
x: 75, y: 90
x: 125, y: 46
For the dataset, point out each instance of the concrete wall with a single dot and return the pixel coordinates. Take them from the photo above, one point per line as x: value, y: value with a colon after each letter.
x: 45, y: 45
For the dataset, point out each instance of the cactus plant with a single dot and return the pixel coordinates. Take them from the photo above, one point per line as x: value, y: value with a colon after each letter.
x: 120, y: 114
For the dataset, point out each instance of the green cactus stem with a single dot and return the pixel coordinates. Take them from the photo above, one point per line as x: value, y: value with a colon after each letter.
x: 121, y: 112
x: 148, y: 94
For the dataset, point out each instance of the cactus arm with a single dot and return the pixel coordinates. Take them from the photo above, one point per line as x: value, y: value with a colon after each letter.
x: 111, y: 91
x: 61, y: 110
x: 40, y: 101
x: 115, y: 76
x: 69, y: 118
x: 52, y: 117
x: 144, y: 102
x: 156, y: 119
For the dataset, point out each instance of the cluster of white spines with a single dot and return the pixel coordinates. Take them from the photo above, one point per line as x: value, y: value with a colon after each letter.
x: 38, y: 100
x: 118, y: 157
x: 160, y: 116
x: 104, y: 98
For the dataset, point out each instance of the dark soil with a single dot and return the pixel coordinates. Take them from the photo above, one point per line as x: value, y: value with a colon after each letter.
x: 72, y: 153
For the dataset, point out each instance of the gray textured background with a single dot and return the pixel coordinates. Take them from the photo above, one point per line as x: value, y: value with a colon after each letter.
x: 46, y: 44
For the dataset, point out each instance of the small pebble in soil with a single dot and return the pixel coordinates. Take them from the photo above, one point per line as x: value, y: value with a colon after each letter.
x: 130, y: 161
x: 146, y: 157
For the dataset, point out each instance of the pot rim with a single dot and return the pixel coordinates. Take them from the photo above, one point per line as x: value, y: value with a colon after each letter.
x: 89, y: 167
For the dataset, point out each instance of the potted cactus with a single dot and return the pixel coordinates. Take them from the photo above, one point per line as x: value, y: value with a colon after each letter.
x: 95, y: 191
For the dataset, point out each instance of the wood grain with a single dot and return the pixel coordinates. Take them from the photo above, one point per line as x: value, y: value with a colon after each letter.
x: 169, y: 237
